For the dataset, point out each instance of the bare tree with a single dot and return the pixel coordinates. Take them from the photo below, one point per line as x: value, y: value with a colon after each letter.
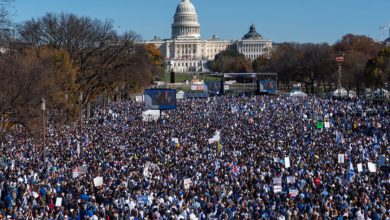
x: 97, y: 50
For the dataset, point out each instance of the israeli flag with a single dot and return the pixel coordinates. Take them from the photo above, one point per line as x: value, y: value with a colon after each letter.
x: 375, y: 139
x: 86, y: 140
x: 351, y: 172
x: 216, y: 165
x: 339, y: 137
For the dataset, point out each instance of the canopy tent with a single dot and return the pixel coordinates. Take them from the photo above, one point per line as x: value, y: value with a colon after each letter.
x: 150, y: 115
x: 342, y: 92
x: 297, y: 93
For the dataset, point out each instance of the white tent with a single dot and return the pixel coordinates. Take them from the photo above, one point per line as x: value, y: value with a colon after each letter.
x: 344, y: 93
x: 150, y: 115
x: 297, y: 93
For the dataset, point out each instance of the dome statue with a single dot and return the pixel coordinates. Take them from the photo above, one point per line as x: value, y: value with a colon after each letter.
x: 185, y: 22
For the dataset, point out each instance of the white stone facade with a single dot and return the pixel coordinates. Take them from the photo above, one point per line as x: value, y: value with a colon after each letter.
x: 186, y: 51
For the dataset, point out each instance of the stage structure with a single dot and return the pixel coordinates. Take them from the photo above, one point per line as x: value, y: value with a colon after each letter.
x: 251, y: 83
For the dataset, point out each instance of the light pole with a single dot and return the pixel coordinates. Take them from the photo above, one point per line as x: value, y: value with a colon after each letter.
x: 43, y: 108
x: 81, y: 116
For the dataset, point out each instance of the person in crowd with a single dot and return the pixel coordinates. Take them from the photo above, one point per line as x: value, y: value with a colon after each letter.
x: 273, y: 158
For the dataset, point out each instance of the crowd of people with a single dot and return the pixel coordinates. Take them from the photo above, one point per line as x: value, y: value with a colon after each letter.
x: 275, y: 157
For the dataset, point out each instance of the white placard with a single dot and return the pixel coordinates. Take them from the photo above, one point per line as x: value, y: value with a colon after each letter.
x: 58, y: 201
x: 174, y: 142
x: 98, y: 181
x: 35, y: 195
x: 287, y: 162
x: 340, y: 158
x: 291, y: 179
x: 277, y: 180
x: 360, y: 167
x: 327, y: 125
x: 75, y: 173
x: 187, y: 183
x: 277, y: 188
x: 371, y: 167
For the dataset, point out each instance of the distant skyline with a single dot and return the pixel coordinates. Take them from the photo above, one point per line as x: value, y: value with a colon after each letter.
x: 278, y: 20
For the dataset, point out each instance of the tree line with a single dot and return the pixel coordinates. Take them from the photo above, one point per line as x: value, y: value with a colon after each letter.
x: 366, y: 64
x: 69, y: 61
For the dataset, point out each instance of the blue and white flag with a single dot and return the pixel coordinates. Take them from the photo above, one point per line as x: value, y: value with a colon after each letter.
x: 85, y: 140
x: 339, y: 137
x: 375, y: 139
x: 216, y: 164
x: 351, y: 172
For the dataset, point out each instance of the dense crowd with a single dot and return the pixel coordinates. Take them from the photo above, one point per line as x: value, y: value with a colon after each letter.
x: 276, y: 158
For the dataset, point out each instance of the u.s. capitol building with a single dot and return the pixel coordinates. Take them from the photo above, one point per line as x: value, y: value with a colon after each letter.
x: 186, y: 51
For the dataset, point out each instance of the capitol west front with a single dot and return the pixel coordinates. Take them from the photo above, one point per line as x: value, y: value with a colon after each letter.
x: 186, y: 51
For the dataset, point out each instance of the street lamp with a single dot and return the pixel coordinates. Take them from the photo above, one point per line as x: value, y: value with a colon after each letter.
x: 43, y: 108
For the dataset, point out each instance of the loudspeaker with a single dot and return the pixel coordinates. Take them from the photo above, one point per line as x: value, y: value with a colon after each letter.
x: 172, y: 77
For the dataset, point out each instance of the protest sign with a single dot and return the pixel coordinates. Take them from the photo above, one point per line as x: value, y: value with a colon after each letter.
x: 142, y: 200
x: 292, y: 192
x: 340, y: 158
x: 291, y: 179
x: 75, y: 173
x: 187, y: 183
x: 360, y: 167
x: 277, y: 180
x: 327, y: 124
x: 98, y: 181
x: 320, y: 125
x: 174, y: 142
x: 58, y: 201
x: 371, y: 167
x: 287, y: 162
x: 277, y: 188
x: 35, y: 195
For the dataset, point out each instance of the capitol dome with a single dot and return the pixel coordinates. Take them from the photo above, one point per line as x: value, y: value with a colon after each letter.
x: 185, y: 21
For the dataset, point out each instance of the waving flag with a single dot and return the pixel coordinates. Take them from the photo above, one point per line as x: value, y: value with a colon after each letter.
x: 351, y: 172
x: 235, y: 169
x: 339, y: 137
x: 86, y: 140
